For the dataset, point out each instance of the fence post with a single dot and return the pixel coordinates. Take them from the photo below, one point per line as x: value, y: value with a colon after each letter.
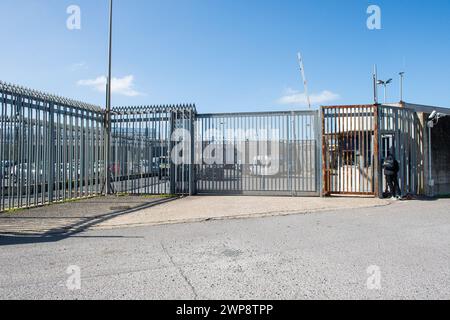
x: 51, y: 151
x: 325, y: 170
x: 322, y: 167
x: 171, y: 146
x: 376, y: 151
x: 192, y: 181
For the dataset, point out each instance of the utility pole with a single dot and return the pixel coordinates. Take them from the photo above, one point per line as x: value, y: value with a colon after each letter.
x: 108, y: 187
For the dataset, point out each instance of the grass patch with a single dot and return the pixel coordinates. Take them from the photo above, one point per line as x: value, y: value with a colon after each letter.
x: 14, y: 210
x: 122, y: 194
x: 73, y: 200
x: 146, y: 196
x: 164, y: 196
x: 57, y: 202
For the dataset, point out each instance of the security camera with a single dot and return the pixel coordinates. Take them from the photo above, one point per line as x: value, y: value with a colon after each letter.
x: 434, y: 118
x: 433, y: 115
x: 440, y: 115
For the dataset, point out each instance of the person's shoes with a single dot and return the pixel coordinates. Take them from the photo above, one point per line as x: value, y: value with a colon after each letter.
x: 394, y: 199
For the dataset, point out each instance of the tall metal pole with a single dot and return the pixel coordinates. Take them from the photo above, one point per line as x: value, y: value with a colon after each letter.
x: 108, y: 189
x: 430, y: 175
x: 401, y: 86
x: 305, y: 82
x: 375, y: 84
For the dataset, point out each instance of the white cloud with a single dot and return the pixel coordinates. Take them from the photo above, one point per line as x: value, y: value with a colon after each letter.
x: 293, y: 97
x: 123, y: 86
x: 78, y: 66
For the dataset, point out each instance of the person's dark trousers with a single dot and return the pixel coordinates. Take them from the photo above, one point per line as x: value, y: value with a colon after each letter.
x: 394, y: 187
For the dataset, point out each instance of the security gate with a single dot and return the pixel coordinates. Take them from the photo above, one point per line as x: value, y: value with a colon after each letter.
x: 357, y: 139
x: 401, y: 133
x: 349, y: 146
x: 258, y: 153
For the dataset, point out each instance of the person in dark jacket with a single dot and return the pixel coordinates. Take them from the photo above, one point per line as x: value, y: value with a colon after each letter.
x: 391, y: 168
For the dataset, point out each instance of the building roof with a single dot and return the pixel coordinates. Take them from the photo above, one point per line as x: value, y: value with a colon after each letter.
x: 421, y: 108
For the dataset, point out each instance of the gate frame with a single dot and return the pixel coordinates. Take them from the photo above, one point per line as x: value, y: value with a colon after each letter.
x: 317, y: 152
x: 408, y: 130
x: 326, y: 189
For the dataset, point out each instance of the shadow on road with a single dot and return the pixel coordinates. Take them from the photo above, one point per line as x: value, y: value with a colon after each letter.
x: 70, y: 230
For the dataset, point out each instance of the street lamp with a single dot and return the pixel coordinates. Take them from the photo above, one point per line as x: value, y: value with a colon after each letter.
x: 384, y: 84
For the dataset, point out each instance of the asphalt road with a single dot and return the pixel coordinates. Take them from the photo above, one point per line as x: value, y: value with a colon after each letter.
x: 322, y: 255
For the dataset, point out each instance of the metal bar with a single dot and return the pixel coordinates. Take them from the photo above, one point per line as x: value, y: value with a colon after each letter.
x: 3, y: 141
x: 377, y: 168
x: 51, y: 154
x: 326, y: 190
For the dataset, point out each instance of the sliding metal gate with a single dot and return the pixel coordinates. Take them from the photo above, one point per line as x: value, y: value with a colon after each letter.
x: 258, y: 153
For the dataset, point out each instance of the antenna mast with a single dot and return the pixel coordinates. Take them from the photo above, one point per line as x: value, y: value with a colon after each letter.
x: 305, y: 82
x: 375, y: 84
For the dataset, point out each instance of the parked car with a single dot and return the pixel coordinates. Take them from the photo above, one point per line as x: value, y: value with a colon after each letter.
x: 5, y: 169
x: 212, y: 173
x: 24, y: 171
x: 144, y: 167
x: 161, y: 167
x: 115, y: 169
x: 68, y: 171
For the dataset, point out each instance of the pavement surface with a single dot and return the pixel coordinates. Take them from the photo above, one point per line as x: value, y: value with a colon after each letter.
x: 205, y: 208
x: 128, y: 211
x: 323, y: 255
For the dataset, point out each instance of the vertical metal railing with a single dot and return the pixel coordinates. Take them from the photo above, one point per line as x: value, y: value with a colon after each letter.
x: 143, y: 141
x: 357, y: 139
x: 49, y: 148
x: 52, y: 149
x: 401, y: 133
x: 349, y: 143
x: 271, y: 153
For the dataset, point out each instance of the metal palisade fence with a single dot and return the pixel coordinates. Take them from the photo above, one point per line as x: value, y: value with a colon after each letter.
x: 51, y: 148
x: 144, y: 141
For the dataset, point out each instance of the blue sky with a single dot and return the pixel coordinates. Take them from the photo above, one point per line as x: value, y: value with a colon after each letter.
x: 228, y: 55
